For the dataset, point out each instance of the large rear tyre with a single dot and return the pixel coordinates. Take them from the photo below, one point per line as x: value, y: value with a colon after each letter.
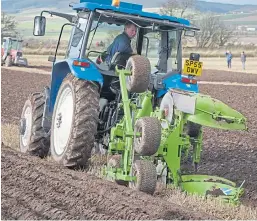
x: 32, y: 134
x: 140, y: 67
x: 145, y: 172
x: 8, y: 61
x: 149, y: 141
x: 74, y: 122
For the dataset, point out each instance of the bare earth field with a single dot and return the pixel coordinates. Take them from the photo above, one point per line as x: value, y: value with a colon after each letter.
x: 236, y: 65
x: 40, y: 63
x: 39, y: 189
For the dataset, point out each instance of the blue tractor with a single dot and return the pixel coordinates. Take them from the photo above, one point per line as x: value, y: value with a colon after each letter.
x: 83, y: 102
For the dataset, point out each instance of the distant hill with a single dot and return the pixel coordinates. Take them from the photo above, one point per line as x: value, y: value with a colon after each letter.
x: 223, y: 8
x: 16, y: 6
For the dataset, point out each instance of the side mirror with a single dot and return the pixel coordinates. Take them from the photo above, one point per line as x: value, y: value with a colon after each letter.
x: 39, y: 26
x: 189, y: 33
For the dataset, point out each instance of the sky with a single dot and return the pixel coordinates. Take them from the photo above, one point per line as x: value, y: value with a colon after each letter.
x: 237, y: 2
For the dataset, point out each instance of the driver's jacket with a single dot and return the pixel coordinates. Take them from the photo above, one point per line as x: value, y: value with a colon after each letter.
x: 120, y: 44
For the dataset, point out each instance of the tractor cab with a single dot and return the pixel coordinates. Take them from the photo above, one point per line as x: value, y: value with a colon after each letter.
x: 12, y: 52
x: 12, y: 46
x: 158, y: 38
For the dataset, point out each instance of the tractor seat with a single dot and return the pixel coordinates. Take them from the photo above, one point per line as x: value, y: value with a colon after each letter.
x: 118, y: 59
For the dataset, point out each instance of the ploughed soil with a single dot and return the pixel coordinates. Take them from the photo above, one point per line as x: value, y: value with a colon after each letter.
x: 16, y: 87
x: 38, y: 189
x: 223, y: 76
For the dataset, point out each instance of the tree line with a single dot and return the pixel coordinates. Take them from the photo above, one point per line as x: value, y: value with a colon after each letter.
x: 9, y: 26
x: 213, y: 32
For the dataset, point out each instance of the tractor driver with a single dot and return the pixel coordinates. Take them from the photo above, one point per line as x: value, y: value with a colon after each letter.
x: 122, y: 43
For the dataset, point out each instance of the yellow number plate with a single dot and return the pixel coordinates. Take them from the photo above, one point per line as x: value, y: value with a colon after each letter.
x: 193, y: 67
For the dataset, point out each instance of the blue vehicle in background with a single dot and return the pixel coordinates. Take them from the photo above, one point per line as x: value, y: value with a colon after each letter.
x: 80, y: 106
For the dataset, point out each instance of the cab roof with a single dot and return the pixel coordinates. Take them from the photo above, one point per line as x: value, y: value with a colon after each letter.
x: 125, y: 8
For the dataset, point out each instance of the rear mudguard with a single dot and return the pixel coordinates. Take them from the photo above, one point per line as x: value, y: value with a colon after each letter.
x: 174, y: 82
x: 64, y: 67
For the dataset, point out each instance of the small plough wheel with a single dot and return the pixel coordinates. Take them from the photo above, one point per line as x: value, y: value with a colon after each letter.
x: 32, y: 139
x: 74, y: 122
x: 149, y: 141
x: 145, y: 172
x: 140, y: 68
x: 114, y: 162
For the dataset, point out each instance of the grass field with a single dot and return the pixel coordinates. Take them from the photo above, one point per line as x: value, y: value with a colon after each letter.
x: 53, y: 24
x: 26, y: 19
x: 237, y: 16
x: 220, y: 64
x: 239, y: 22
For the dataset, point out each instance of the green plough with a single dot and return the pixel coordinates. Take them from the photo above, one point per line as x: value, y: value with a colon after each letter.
x: 152, y: 142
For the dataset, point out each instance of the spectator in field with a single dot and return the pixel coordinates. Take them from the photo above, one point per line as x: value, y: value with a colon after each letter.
x: 243, y: 59
x: 122, y: 43
x: 229, y: 58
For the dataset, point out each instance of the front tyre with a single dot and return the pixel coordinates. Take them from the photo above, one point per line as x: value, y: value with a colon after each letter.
x: 74, y: 123
x: 32, y: 139
x: 8, y: 61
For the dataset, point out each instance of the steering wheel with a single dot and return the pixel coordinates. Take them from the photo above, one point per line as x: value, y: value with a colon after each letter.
x: 98, y: 52
x: 101, y: 56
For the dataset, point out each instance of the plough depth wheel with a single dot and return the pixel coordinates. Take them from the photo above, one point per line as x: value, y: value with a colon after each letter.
x: 141, y: 68
x: 146, y: 177
x: 149, y: 141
